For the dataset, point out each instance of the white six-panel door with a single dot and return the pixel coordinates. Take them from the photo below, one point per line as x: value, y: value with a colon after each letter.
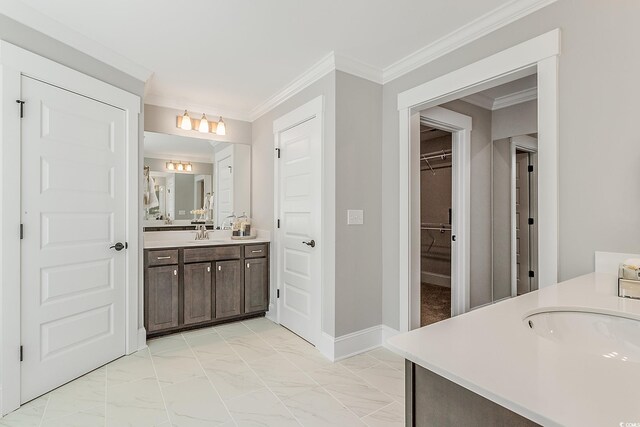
x: 299, y: 201
x: 73, y: 210
x: 224, y: 184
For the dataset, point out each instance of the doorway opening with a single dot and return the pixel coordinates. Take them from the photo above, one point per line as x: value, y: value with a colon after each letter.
x: 435, y: 224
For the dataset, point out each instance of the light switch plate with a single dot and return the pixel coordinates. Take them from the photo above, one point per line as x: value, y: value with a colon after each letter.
x: 355, y: 217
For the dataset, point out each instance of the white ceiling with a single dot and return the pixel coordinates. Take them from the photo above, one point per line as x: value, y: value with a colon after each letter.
x: 233, y: 55
x: 174, y: 147
x: 508, y: 94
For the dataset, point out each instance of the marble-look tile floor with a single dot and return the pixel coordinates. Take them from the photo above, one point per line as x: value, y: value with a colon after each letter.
x: 250, y: 373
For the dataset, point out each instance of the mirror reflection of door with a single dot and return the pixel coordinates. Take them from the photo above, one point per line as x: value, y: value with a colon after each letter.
x: 181, y: 189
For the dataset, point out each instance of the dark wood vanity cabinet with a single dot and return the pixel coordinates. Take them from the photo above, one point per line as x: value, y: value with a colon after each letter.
x: 162, y: 298
x: 256, y: 285
x: 197, y: 293
x: 201, y: 286
x: 228, y: 289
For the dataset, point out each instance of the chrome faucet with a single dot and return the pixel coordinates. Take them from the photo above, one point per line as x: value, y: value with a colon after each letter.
x: 202, y: 233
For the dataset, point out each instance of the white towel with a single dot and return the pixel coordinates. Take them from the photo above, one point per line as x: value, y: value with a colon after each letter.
x: 150, y: 197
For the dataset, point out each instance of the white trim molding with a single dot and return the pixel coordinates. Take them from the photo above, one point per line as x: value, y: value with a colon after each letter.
x: 357, y: 342
x: 15, y: 63
x: 26, y: 15
x: 540, y: 55
x: 483, y: 101
x: 479, y: 27
x: 313, y: 74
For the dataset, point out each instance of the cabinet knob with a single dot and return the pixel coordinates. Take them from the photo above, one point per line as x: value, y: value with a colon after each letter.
x: 248, y: 265
x: 219, y: 268
x: 209, y: 269
x: 175, y: 272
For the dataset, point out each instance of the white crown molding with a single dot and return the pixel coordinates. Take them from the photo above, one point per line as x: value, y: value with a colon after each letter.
x: 480, y: 100
x: 483, y: 25
x: 313, y: 74
x: 483, y: 101
x: 30, y: 17
x: 515, y: 98
x: 182, y: 104
x: 358, y: 68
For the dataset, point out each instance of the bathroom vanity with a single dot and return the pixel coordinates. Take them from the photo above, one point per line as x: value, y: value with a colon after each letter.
x: 190, y: 284
x: 565, y: 355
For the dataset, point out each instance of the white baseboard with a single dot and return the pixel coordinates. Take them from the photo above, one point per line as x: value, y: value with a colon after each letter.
x: 326, y: 345
x: 357, y: 342
x: 142, y: 338
x: 436, y: 279
x: 388, y: 332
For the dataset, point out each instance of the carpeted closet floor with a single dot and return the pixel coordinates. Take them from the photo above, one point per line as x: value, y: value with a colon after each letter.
x: 435, y: 304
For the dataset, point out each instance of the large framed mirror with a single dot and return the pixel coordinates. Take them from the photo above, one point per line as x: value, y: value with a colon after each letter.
x: 193, y: 181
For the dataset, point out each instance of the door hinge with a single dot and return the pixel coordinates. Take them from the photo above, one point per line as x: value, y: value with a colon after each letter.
x: 278, y: 223
x: 21, y: 102
x: 278, y: 151
x: 530, y: 168
x: 21, y: 354
x: 21, y: 231
x: 278, y: 293
x: 530, y: 221
x: 532, y: 274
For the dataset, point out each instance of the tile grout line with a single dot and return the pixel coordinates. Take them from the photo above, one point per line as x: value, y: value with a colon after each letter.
x: 155, y: 371
x: 46, y: 405
x: 312, y: 379
x: 258, y: 376
x: 209, y: 380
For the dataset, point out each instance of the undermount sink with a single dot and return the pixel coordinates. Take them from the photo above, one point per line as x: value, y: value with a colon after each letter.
x: 609, y: 336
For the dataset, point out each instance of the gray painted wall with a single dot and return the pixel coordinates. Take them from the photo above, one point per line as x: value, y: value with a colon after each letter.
x: 262, y: 154
x: 163, y: 120
x: 480, y: 292
x: 358, y: 294
x: 519, y: 119
x: 597, y: 125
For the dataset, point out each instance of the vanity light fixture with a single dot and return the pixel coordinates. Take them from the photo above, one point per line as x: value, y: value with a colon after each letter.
x: 179, y: 166
x: 221, y: 129
x: 185, y: 121
x: 203, y: 127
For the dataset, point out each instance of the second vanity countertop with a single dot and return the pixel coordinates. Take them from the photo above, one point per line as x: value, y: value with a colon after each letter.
x: 492, y: 352
x: 178, y: 239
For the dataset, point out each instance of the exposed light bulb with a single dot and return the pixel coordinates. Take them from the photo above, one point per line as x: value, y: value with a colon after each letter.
x: 180, y: 167
x: 221, y: 129
x: 188, y: 167
x: 204, y: 124
x: 186, y: 121
x: 171, y: 166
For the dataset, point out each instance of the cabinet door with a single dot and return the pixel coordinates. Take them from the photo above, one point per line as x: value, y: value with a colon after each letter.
x: 256, y: 285
x: 197, y: 293
x: 228, y: 288
x: 162, y: 294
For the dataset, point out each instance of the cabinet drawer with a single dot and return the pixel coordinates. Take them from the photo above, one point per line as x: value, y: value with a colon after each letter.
x: 255, y: 251
x: 211, y: 254
x: 167, y: 257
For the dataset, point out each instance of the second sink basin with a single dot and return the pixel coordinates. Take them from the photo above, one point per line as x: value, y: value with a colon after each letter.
x: 609, y: 336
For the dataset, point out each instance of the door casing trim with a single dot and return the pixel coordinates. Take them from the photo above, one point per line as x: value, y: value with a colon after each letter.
x: 540, y: 55
x: 14, y: 63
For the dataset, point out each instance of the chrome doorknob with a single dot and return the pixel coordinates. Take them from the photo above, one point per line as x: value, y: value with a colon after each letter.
x: 311, y: 243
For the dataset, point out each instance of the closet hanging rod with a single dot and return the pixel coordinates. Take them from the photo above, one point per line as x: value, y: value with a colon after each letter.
x: 440, y: 229
x: 442, y: 154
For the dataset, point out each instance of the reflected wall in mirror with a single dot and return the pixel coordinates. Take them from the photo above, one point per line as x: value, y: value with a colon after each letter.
x: 191, y: 180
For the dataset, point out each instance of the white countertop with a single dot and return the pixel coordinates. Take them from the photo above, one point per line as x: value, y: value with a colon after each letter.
x: 175, y: 239
x: 491, y: 352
